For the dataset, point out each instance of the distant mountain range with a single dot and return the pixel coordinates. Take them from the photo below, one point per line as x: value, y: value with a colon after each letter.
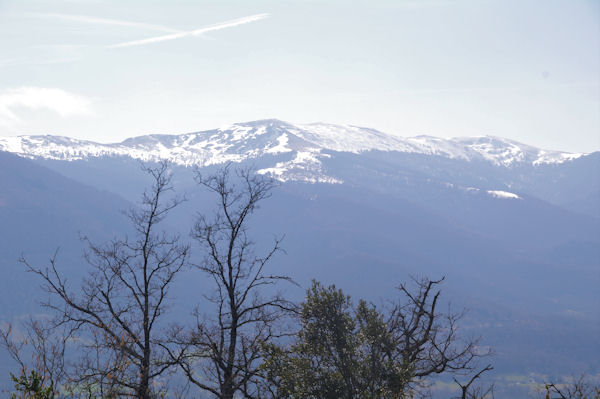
x: 243, y: 141
x: 310, y: 153
x: 515, y: 229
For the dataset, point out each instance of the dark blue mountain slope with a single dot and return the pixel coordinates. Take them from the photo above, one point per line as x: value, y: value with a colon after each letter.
x: 40, y: 211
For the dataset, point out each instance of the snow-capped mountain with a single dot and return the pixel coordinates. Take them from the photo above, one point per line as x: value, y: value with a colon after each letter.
x: 306, y: 144
x: 506, y: 222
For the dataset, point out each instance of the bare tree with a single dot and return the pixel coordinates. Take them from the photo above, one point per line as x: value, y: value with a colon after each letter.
x: 578, y: 388
x: 222, y: 353
x: 468, y: 391
x: 118, y: 308
x: 39, y: 350
x: 427, y: 342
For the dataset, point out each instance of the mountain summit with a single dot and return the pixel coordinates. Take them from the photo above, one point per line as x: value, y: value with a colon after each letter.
x: 305, y: 143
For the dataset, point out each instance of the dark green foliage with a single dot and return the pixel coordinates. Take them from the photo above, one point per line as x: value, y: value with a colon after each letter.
x: 341, y: 352
x: 346, y: 351
x: 31, y: 386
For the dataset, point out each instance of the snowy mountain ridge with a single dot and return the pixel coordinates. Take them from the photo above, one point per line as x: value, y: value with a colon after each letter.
x: 306, y: 143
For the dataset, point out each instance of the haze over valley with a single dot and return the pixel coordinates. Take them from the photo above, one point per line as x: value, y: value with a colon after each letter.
x: 512, y: 228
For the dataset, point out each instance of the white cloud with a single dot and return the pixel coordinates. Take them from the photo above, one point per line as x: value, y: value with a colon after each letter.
x: 196, y: 32
x: 62, y: 102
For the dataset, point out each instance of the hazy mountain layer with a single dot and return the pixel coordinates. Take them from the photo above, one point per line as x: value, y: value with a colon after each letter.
x: 515, y: 229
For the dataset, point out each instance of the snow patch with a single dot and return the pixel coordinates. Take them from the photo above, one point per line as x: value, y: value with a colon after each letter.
x: 282, y: 142
x: 11, y: 144
x: 305, y: 167
x: 503, y: 194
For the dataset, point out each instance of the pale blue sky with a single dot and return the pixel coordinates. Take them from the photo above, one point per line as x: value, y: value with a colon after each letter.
x: 524, y: 69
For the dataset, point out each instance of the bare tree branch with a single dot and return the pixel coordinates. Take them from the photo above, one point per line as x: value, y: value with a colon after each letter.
x: 222, y: 354
x: 117, y: 307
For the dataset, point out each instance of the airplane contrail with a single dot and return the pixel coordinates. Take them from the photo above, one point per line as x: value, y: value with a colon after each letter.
x: 107, y: 21
x: 196, y: 32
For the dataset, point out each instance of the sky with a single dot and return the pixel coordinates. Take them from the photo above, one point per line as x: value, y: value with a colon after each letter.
x: 528, y: 70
